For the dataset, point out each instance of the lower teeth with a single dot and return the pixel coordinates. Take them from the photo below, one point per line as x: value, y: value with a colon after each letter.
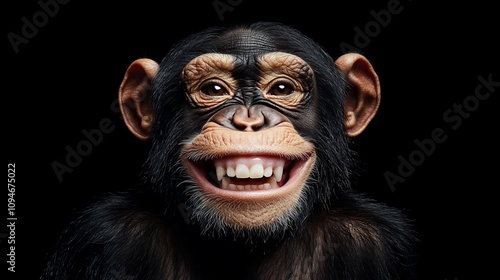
x: 227, y: 185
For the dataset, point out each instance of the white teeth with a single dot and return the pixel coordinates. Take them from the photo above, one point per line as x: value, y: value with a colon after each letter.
x: 242, y: 171
x: 268, y: 172
x: 220, y: 172
x: 272, y: 184
x: 230, y: 172
x: 257, y: 171
x: 249, y: 167
x: 278, y: 173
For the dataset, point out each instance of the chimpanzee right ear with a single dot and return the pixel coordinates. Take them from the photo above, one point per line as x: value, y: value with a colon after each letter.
x: 134, y: 97
x: 364, y: 96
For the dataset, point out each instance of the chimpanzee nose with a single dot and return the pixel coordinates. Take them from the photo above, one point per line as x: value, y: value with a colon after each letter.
x: 248, y: 119
x: 253, y: 118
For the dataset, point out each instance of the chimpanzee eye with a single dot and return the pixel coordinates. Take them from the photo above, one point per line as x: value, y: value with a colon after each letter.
x: 281, y: 89
x: 214, y: 89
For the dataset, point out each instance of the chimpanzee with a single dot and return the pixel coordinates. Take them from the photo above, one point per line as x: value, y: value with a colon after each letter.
x: 250, y: 170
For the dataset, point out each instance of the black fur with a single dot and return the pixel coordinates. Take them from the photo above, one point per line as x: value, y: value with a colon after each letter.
x: 122, y: 236
x: 143, y: 234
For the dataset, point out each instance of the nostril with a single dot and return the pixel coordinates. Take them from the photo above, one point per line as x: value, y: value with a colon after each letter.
x: 255, y: 118
x: 238, y: 125
x: 248, y: 119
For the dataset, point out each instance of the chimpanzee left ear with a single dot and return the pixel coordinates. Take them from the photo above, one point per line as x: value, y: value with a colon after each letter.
x: 134, y: 97
x: 364, y: 95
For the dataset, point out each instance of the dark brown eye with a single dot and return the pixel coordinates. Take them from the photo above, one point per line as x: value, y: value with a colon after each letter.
x: 214, y: 90
x: 281, y: 89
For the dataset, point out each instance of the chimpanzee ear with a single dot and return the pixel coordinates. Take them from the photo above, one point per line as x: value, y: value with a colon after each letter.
x: 364, y: 94
x: 134, y: 97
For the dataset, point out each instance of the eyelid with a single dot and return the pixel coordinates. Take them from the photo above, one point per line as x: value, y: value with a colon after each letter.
x: 211, y: 81
x: 282, y: 80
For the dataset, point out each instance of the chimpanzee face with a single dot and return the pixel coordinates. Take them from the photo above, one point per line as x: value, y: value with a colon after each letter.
x: 245, y: 123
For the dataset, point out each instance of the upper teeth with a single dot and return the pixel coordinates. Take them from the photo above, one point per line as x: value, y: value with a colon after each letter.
x: 249, y: 167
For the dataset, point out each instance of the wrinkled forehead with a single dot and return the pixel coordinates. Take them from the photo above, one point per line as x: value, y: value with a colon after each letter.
x: 270, y: 64
x: 245, y: 43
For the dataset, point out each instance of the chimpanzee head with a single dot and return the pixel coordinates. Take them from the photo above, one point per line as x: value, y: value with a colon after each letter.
x: 249, y: 126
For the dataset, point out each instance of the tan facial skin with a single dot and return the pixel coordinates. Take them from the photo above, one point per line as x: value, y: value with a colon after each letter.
x: 257, y: 201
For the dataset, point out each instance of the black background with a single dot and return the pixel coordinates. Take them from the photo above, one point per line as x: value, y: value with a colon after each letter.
x: 428, y: 56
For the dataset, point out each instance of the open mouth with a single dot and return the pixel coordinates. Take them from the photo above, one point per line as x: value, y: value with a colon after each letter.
x: 262, y: 166
x: 250, y: 173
